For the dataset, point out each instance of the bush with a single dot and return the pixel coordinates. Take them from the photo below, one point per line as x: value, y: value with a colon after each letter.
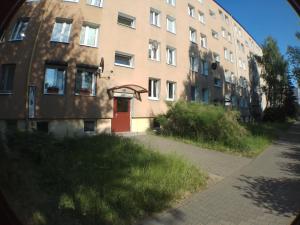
x: 203, y: 122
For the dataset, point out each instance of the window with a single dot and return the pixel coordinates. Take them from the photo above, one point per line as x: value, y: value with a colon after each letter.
x: 97, y: 3
x: 216, y: 57
x: 200, y: 1
x: 191, y: 10
x: 155, y: 17
x: 215, y: 34
x: 153, y: 89
x: 193, y: 93
x: 171, y: 24
x: 226, y: 55
x: 212, y: 13
x: 194, y: 63
x: 154, y: 50
x: 126, y: 20
x: 204, y: 67
x: 2, y: 36
x: 123, y: 59
x: 240, y: 32
x: 61, y: 31
x: 89, y: 35
x: 201, y: 17
x: 171, y: 2
x: 217, y: 82
x: 54, y: 80
x: 223, y: 32
x: 240, y: 63
x: 231, y: 57
x: 71, y: 0
x: 226, y: 19
x: 233, y: 79
x: 7, y: 78
x: 171, y: 56
x: 85, y: 82
x: 227, y: 76
x: 221, y: 15
x: 242, y: 47
x: 203, y: 41
x: 19, y: 30
x: 244, y: 64
x: 193, y: 35
x: 205, y: 95
x: 171, y: 87
x: 89, y: 126
x: 229, y: 37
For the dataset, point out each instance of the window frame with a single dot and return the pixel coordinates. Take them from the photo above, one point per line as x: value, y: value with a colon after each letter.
x: 171, y: 50
x: 56, y: 67
x: 64, y: 22
x: 6, y: 91
x: 18, y: 29
x: 153, y: 20
x: 99, y: 6
x: 173, y: 21
x: 93, y: 91
x: 150, y: 51
x: 123, y: 54
x: 168, y: 83
x: 89, y: 26
x: 151, y: 82
x: 126, y: 17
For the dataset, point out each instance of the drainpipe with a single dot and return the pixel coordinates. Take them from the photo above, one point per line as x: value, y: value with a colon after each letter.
x: 31, y: 62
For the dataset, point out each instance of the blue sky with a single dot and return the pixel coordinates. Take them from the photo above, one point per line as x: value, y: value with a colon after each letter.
x: 262, y: 18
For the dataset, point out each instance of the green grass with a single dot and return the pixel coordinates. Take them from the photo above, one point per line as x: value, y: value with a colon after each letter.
x: 259, y: 137
x: 90, y: 180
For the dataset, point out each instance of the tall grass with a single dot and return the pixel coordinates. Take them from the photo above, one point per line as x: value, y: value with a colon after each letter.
x: 90, y: 180
x: 216, y: 128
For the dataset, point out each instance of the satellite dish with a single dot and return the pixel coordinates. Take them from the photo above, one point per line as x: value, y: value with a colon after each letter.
x: 214, y: 65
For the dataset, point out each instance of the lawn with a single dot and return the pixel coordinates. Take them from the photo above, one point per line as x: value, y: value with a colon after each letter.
x: 90, y: 180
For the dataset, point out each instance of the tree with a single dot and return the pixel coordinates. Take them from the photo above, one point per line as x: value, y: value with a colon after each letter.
x: 294, y: 59
x: 274, y: 73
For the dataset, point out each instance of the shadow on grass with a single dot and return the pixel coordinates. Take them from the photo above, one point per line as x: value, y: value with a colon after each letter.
x: 91, y: 180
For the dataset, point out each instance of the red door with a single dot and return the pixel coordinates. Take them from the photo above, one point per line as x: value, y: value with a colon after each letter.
x: 121, y: 117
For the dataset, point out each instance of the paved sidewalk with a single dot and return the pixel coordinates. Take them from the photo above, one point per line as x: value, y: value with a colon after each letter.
x: 264, y: 192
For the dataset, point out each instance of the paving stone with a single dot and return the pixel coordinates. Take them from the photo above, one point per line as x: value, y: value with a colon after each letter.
x: 263, y: 191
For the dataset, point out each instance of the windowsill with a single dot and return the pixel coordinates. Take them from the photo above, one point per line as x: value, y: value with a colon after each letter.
x: 59, y: 42
x: 154, y: 60
x: 174, y: 65
x: 153, y: 99
x: 101, y: 6
x: 89, y: 46
x: 174, y: 33
x: 124, y: 25
x: 194, y: 42
x: 154, y: 25
x: 204, y: 47
x: 53, y: 94
x: 202, y: 23
x: 15, y: 40
x: 121, y: 65
x: 71, y: 1
x: 6, y: 93
x: 170, y: 99
x: 87, y: 95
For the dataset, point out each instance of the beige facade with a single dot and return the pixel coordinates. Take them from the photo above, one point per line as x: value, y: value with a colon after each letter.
x: 121, y: 33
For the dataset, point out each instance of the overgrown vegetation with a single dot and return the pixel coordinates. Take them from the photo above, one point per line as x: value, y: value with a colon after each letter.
x: 90, y: 180
x: 278, y: 85
x: 216, y: 128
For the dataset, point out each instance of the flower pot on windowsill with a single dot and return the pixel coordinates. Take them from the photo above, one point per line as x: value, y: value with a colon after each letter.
x: 84, y: 91
x: 52, y: 90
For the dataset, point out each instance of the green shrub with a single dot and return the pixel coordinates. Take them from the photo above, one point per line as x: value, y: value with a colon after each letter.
x: 203, y: 122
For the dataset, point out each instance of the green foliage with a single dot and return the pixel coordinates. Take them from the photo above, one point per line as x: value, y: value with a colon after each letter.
x: 90, y: 180
x: 294, y: 59
x: 215, y: 128
x: 203, y: 122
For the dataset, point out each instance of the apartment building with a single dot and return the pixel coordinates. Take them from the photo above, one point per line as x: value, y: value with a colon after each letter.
x: 89, y: 66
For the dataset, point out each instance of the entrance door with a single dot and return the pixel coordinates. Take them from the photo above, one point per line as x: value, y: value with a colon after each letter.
x: 121, y: 117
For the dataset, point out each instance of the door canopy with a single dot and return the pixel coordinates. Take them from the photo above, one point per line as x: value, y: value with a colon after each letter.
x: 127, y: 91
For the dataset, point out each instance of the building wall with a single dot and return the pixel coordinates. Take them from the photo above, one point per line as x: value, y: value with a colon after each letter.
x: 31, y: 54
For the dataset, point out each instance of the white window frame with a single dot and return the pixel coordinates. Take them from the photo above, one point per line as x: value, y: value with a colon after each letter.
x: 171, y: 54
x: 215, y: 34
x: 152, y: 82
x: 226, y: 54
x: 231, y: 57
x: 217, y: 57
x: 130, y: 56
x: 93, y: 3
x: 203, y: 40
x: 204, y: 68
x: 191, y: 11
x: 155, y: 17
x: 171, y: 2
x: 193, y: 35
x: 87, y: 27
x: 194, y: 64
x: 64, y: 22
x: 56, y: 68
x: 74, y: 1
x: 84, y: 70
x: 171, y: 20
x: 168, y: 90
x: 128, y: 17
x: 201, y: 17
x: 151, y: 53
